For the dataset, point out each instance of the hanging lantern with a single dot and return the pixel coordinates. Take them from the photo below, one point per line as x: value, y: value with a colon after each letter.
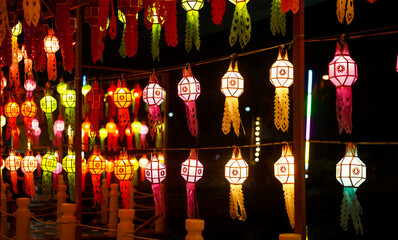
x: 351, y: 172
x: 30, y: 86
x: 278, y: 18
x: 236, y: 172
x: 15, y: 137
x: 28, y: 111
x: 192, y: 35
x: 56, y: 172
x: 36, y: 133
x: 86, y: 88
x: 86, y: 128
x: 143, y: 162
x: 28, y: 166
x: 281, y: 76
x: 136, y: 127
x: 153, y: 95
x: 124, y: 171
x: 103, y: 134
x: 96, y: 166
x: 136, y: 93
x: 68, y: 163
x: 109, y: 168
x: 343, y: 72
x: 111, y: 128
x: 130, y: 9
x: 68, y: 100
x: 11, y: 110
x: 93, y: 100
x: 14, y: 68
x: 241, y: 24
x: 345, y: 9
x: 51, y: 46
x: 191, y: 171
x: 284, y: 172
x: 48, y: 165
x: 49, y: 104
x: 189, y: 90
x: 170, y: 25
x: 155, y: 18
x: 65, y: 33
x: 155, y: 172
x: 122, y: 99
x: 287, y: 5
x: 91, y: 16
x: 13, y: 163
x: 217, y: 11
x: 59, y: 127
x: 84, y: 172
x: 143, y: 132
x: 232, y: 85
x: 61, y: 86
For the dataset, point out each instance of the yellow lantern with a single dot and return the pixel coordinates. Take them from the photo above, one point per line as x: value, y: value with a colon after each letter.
x: 68, y: 163
x: 48, y: 165
x: 124, y: 171
x: 123, y: 99
x: 96, y: 166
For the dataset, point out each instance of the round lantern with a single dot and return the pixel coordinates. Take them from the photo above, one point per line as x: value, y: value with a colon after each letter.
x: 48, y: 165
x: 122, y: 99
x: 124, y: 171
x: 192, y: 35
x: 59, y: 127
x: 61, y: 86
x: 49, y: 104
x: 68, y: 98
x: 112, y: 135
x: 136, y: 93
x: 30, y: 85
x: 13, y: 163
x: 51, y: 46
x: 28, y: 111
x: 3, y: 120
x: 17, y: 29
x: 153, y: 95
x: 155, y: 172
x: 96, y: 166
x: 11, y: 110
x: 68, y: 164
x: 281, y: 76
x: 143, y: 132
x: 136, y: 127
x: 103, y: 134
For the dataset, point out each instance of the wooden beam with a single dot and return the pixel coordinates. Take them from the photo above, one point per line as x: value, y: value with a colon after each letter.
x: 51, y: 13
x: 50, y: 9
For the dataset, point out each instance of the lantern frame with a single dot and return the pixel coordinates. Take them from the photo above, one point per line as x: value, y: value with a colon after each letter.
x: 284, y: 167
x: 29, y: 108
x: 11, y: 109
x: 29, y: 163
x: 30, y: 85
x: 192, y: 169
x: 122, y: 96
x: 51, y: 42
x: 69, y: 161
x: 48, y: 104
x: 236, y: 169
x: 96, y: 162
x: 350, y: 170
x: 343, y: 70
x: 190, y: 5
x: 153, y: 94
x: 232, y: 83
x: 49, y: 161
x: 155, y: 171
x: 123, y: 169
x: 281, y: 71
x: 13, y: 161
x: 189, y: 87
x: 68, y: 98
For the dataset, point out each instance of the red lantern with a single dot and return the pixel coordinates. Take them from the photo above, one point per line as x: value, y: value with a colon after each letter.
x: 343, y: 73
x: 153, y: 95
x: 51, y: 46
x: 143, y: 162
x: 11, y: 110
x: 155, y: 172
x: 28, y: 111
x: 124, y: 171
x: 13, y: 163
x: 170, y: 25
x: 86, y: 128
x: 122, y: 99
x: 96, y: 166
x: 112, y: 112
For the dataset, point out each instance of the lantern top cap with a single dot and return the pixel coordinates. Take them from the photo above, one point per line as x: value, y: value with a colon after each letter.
x: 342, y: 48
x: 186, y: 71
x: 351, y: 150
x: 286, y: 149
x: 282, y: 55
x: 193, y: 154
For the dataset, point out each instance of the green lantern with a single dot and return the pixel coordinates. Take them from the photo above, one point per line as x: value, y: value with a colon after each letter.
x: 68, y: 163
x: 85, y: 89
x: 68, y: 100
x: 49, y: 104
x: 48, y: 165
x: 103, y: 134
x: 192, y: 8
x: 61, y: 86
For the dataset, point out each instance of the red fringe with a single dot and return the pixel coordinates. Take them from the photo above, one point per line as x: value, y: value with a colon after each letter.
x: 131, y: 35
x: 217, y: 11
x: 170, y: 26
x: 125, y: 190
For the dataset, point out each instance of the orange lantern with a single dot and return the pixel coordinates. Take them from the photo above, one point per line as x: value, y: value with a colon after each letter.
x: 28, y: 111
x: 51, y: 46
x: 96, y: 166
x: 11, y: 110
x: 109, y: 100
x: 122, y: 99
x: 28, y: 166
x: 84, y: 172
x: 109, y: 167
x: 124, y: 171
x: 86, y: 128
x: 112, y: 135
x: 143, y: 162
x: 13, y: 163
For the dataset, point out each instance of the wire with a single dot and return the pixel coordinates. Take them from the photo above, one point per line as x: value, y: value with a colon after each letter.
x: 357, y: 143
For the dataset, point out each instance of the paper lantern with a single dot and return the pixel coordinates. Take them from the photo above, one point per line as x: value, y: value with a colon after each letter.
x: 112, y: 110
x: 191, y: 171
x: 49, y: 104
x: 96, y: 166
x: 30, y: 86
x: 28, y: 111
x: 232, y: 86
x: 236, y: 172
x: 143, y: 132
x: 11, y: 110
x: 124, y: 171
x: 122, y: 99
x: 68, y: 163
x: 155, y: 18
x: 59, y: 127
x: 351, y: 172
x: 109, y: 168
x: 86, y: 88
x: 3, y: 120
x: 68, y: 100
x: 343, y: 73
x: 56, y: 172
x: 103, y: 134
x: 28, y: 166
x: 136, y: 94
x: 155, y: 172
x: 281, y: 76
x: 14, y: 68
x: 48, y: 165
x: 153, y: 95
x: 130, y: 9
x: 189, y: 90
x: 84, y: 172
x: 61, y: 87
x: 241, y: 24
x: 284, y: 172
x: 94, y: 100
x: 345, y: 10
x: 112, y: 135
x: 129, y: 137
x: 51, y: 46
x: 143, y: 162
x: 192, y: 35
x: 13, y: 163
x: 86, y: 128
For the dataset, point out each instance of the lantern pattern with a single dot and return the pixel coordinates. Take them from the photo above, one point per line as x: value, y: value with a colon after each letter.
x: 51, y: 46
x: 30, y: 86
x: 93, y: 100
x: 192, y: 35
x: 236, y: 172
x: 153, y: 95
x: 68, y: 163
x: 91, y: 16
x: 109, y: 168
x: 28, y: 111
x: 48, y: 165
x: 96, y: 166
x: 11, y: 110
x: 155, y: 18
x: 277, y: 19
x: 345, y: 10
x: 287, y: 5
x: 13, y: 163
x: 155, y: 172
x: 284, y: 172
x: 122, y: 99
x: 49, y: 104
x: 68, y: 100
x: 281, y: 76
x: 241, y: 24
x: 111, y: 128
x: 232, y: 86
x: 191, y: 171
x: 189, y: 90
x: 28, y: 166
x: 351, y: 172
x: 343, y: 73
x: 130, y: 10
x: 124, y: 171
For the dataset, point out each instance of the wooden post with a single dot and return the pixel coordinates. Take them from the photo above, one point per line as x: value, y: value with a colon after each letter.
x: 194, y: 228
x: 126, y: 223
x: 61, y: 199
x: 68, y: 222
x: 298, y: 120
x: 3, y: 226
x: 23, y: 219
x: 105, y: 203
x: 113, y: 208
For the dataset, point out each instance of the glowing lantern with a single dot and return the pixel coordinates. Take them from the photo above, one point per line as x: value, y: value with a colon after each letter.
x: 241, y: 24
x: 136, y: 93
x: 86, y: 88
x: 38, y: 158
x: 129, y: 135
x: 13, y: 163
x: 86, y: 128
x: 136, y: 127
x: 14, y: 69
x: 191, y: 171
x: 61, y: 86
x: 36, y: 133
x: 281, y: 76
x: 56, y: 172
x: 11, y: 110
x: 155, y: 172
x: 192, y: 8
x: 28, y: 111
x: 155, y: 18
x: 284, y: 172
x: 189, y: 90
x: 59, y: 127
x: 153, y: 95
x: 343, y: 73
x: 96, y: 166
x: 49, y: 104
x: 351, y: 172
x: 30, y: 86
x: 134, y: 161
x: 143, y: 162
x: 122, y: 99
x: 51, y: 46
x: 4, y: 82
x: 143, y: 132
x: 109, y: 167
x: 236, y: 172
x: 84, y: 172
x: 345, y: 9
x: 124, y: 171
x: 129, y: 13
x: 232, y: 85
x: 112, y: 135
x: 3, y: 120
x: 28, y: 166
x: 68, y: 163
x: 68, y: 100
x: 103, y: 134
x: 48, y: 165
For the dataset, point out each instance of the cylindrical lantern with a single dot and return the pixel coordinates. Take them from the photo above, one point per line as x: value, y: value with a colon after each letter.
x: 68, y: 163
x: 28, y: 111
x: 51, y: 46
x: 189, y: 90
x: 351, y: 172
x: 68, y: 100
x: 49, y: 104
x: 122, y: 99
x: 284, y: 172
x: 192, y: 35
x: 124, y: 171
x: 236, y: 172
x: 232, y: 86
x: 48, y: 165
x: 155, y: 172
x: 191, y: 171
x: 343, y: 72
x: 28, y: 166
x: 153, y: 95
x: 13, y: 163
x: 281, y: 76
x: 11, y: 110
x: 241, y: 24
x: 96, y: 166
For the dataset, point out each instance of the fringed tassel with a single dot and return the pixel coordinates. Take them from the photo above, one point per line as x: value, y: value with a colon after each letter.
x: 190, y: 109
x: 71, y: 182
x: 217, y: 11
x: 191, y: 199
x: 46, y: 183
x: 156, y: 28
x: 350, y: 207
x: 241, y: 25
x: 50, y: 125
x: 122, y: 48
x: 349, y: 14
x: 157, y: 196
x: 281, y: 117
x: 236, y: 203
x: 131, y: 35
x: 15, y: 137
x: 170, y: 25
x: 192, y: 31
x: 155, y: 119
x: 124, y: 189
x: 70, y: 117
x: 51, y: 66
x: 278, y: 19
x: 55, y: 182
x: 231, y: 115
x: 143, y: 141
x: 29, y: 185
x: 14, y: 180
x: 344, y: 108
x: 123, y: 120
x: 108, y: 179
x: 288, y: 191
x: 96, y: 180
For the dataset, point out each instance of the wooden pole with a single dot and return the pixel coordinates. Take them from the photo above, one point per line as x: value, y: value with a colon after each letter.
x: 78, y: 124
x: 298, y: 120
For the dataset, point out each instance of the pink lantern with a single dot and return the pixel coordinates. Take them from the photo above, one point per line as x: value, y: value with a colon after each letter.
x: 189, y: 90
x: 153, y: 95
x: 59, y: 127
x: 155, y: 172
x: 343, y: 73
x: 191, y: 171
x: 30, y: 86
x: 56, y: 172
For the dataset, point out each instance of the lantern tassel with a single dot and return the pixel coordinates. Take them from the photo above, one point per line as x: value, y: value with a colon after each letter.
x: 28, y: 128
x: 191, y: 197
x: 125, y: 190
x: 170, y: 25
x: 236, y: 202
x: 288, y: 192
x: 29, y: 186
x: 131, y: 35
x: 50, y: 124
x: 96, y: 179
x: 55, y: 182
x: 122, y: 48
x: 217, y: 11
x: 51, y: 66
x: 108, y: 179
x: 281, y: 112
x: 14, y: 180
x: 143, y: 142
x: 70, y: 117
x: 157, y: 196
x: 12, y: 124
x: 71, y: 182
x: 123, y: 121
x: 241, y: 25
x: 192, y: 31
x: 231, y: 115
x: 351, y: 207
x: 190, y: 109
x: 46, y: 183
x: 155, y: 119
x: 156, y: 28
x: 15, y: 137
x: 278, y: 19
x: 344, y: 108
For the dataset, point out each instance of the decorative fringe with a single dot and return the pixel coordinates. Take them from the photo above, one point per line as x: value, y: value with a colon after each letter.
x: 157, y: 196
x: 288, y: 191
x: 46, y: 183
x: 14, y: 180
x: 236, y: 202
x: 71, y: 182
x: 123, y: 121
x: 130, y: 38
x: 124, y: 189
x: 192, y: 30
x: 344, y: 108
x: 96, y: 180
x: 191, y: 198
x: 29, y: 186
x: 345, y: 9
x: 122, y: 48
x: 70, y: 117
x: 350, y: 206
x: 281, y: 112
x: 217, y: 11
x: 241, y: 25
x: 156, y: 28
x: 190, y: 109
x: 278, y: 19
x: 170, y: 25
x: 155, y: 119
x: 51, y: 66
x: 231, y: 115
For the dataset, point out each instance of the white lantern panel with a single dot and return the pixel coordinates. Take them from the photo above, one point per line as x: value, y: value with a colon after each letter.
x: 232, y: 84
x: 188, y: 88
x: 350, y: 171
x: 236, y: 171
x: 284, y: 169
x: 192, y: 170
x: 153, y: 94
x: 155, y: 172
